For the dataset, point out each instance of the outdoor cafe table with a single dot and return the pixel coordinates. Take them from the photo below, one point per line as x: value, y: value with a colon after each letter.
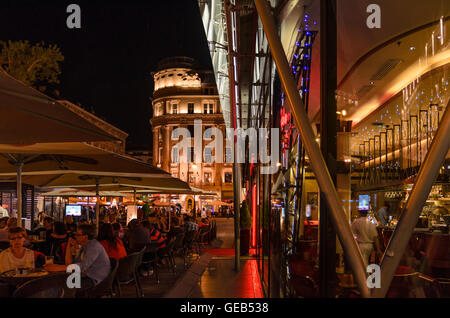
x: 11, y: 280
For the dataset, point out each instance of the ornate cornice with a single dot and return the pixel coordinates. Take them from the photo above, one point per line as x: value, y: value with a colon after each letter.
x: 186, y: 119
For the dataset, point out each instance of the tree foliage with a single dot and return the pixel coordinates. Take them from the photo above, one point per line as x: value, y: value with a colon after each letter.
x: 33, y: 64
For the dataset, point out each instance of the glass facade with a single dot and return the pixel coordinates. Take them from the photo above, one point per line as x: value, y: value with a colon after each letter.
x: 390, y: 94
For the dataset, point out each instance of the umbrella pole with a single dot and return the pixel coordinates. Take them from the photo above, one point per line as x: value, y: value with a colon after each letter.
x: 19, y: 193
x: 87, y: 209
x: 97, y: 205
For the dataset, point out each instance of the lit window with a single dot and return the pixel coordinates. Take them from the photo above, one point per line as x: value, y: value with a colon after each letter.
x: 190, y: 108
x: 208, y: 155
x: 175, y: 157
x: 207, y: 177
x: 228, y: 177
x: 228, y: 155
x: 205, y: 108
x: 191, y: 154
x: 174, y: 108
x: 208, y: 132
x: 175, y: 134
x: 191, y: 131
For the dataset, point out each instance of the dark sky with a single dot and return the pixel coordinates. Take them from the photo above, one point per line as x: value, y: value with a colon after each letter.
x: 108, y: 61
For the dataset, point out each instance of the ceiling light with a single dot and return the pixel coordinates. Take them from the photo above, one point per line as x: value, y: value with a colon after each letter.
x: 344, y: 113
x: 371, y: 83
x: 412, y: 48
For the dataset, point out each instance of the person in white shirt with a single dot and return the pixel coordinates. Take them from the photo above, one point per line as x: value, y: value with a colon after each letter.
x: 366, y: 235
x: 16, y: 256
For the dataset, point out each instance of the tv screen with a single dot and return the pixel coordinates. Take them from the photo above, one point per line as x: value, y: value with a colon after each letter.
x: 364, y: 200
x: 73, y: 210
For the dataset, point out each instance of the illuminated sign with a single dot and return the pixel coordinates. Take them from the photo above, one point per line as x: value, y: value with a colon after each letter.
x: 285, y: 118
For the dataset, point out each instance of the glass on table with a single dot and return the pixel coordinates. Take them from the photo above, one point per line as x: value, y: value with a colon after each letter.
x: 49, y: 260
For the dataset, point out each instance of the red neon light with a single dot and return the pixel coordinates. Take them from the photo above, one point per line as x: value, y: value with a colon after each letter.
x: 285, y: 117
x: 254, y: 216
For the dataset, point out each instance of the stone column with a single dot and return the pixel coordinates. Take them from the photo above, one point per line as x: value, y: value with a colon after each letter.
x: 165, y: 162
x: 155, y: 146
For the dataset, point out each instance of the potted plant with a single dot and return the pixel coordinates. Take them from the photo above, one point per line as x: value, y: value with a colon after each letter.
x: 245, y: 226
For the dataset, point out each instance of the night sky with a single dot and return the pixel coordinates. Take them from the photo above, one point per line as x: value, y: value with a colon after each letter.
x: 108, y: 61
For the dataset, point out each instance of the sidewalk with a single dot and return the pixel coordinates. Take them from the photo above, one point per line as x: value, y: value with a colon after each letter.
x: 220, y: 280
x: 213, y: 275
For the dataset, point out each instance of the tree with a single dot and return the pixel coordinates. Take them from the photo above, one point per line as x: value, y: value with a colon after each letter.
x: 33, y: 64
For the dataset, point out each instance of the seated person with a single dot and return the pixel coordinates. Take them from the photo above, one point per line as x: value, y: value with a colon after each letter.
x: 118, y: 230
x: 92, y: 258
x: 111, y: 242
x: 155, y: 235
x: 112, y: 218
x: 175, y: 228
x: 162, y: 224
x: 203, y: 223
x: 57, y: 242
x: 16, y: 256
x: 4, y: 229
x: 136, y: 236
x: 71, y: 227
x: 3, y: 222
x: 47, y: 228
x: 190, y: 225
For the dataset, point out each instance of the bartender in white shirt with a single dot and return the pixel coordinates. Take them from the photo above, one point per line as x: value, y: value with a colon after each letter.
x: 366, y: 236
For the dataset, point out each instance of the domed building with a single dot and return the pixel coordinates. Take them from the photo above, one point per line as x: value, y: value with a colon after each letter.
x: 183, y: 94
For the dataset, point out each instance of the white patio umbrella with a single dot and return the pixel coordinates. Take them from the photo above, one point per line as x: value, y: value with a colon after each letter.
x: 28, y: 117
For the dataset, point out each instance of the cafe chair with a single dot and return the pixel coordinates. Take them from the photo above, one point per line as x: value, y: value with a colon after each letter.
x: 52, y: 286
x: 188, y: 245
x: 106, y: 287
x: 203, y: 239
x: 166, y: 254
x: 126, y: 272
x: 304, y: 286
x: 430, y: 286
x: 150, y: 258
x: 178, y: 248
x: 444, y: 286
x: 402, y: 285
x: 138, y: 265
x: 414, y: 285
x: 192, y: 243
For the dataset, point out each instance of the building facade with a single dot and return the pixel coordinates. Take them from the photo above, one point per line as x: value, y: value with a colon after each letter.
x: 181, y: 96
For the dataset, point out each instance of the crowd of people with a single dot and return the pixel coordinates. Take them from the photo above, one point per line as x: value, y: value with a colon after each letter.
x: 54, y: 245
